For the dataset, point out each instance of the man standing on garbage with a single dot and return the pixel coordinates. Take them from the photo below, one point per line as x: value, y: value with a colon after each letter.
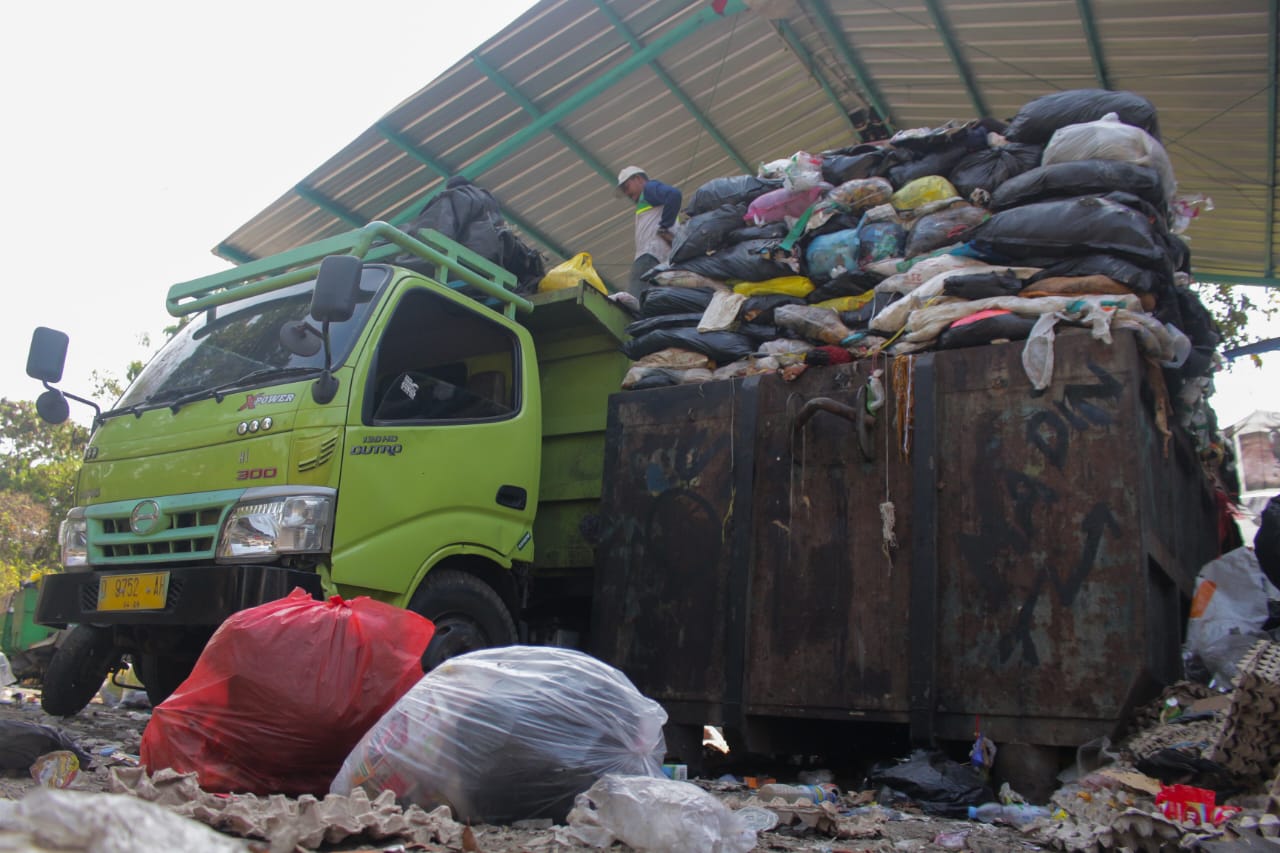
x: 657, y: 205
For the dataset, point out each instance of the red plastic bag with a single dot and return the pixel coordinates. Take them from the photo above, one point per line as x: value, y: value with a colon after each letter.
x: 283, y: 692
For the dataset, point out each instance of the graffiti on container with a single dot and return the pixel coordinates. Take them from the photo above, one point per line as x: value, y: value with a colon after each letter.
x: 1009, y: 522
x: 1049, y: 431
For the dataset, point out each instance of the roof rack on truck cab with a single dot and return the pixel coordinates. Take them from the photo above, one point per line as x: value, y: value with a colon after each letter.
x: 375, y: 241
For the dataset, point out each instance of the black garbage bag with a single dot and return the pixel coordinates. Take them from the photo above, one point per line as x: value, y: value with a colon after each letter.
x: 939, y: 162
x: 982, y: 285
x: 737, y: 189
x: 657, y: 301
x: 1078, y: 177
x: 1070, y: 227
x: 859, y: 319
x: 720, y: 347
x: 939, y: 785
x: 759, y: 332
x: 470, y: 215
x: 768, y: 231
x: 759, y: 309
x: 848, y: 283
x: 742, y: 261
x: 986, y: 170
x: 524, y: 261
x: 663, y: 321
x: 943, y: 228
x: 998, y: 327
x: 1175, y: 767
x: 1038, y: 119
x: 1266, y: 544
x: 971, y: 135
x: 21, y: 743
x: 1136, y: 278
x: 862, y: 161
x: 707, y: 232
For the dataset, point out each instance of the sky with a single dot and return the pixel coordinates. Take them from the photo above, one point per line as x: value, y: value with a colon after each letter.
x: 139, y: 134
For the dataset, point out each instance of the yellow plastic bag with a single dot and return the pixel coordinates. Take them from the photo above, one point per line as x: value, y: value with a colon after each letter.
x: 847, y: 303
x: 922, y: 191
x: 786, y: 285
x: 570, y: 273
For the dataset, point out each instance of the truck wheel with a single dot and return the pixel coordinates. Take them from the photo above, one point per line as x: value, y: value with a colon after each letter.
x: 77, y: 670
x: 467, y: 613
x: 162, y: 675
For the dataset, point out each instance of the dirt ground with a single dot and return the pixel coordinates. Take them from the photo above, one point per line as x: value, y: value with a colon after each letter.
x: 1109, y: 807
x: 101, y: 730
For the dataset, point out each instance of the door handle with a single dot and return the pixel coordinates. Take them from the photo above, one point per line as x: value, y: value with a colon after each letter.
x: 512, y: 497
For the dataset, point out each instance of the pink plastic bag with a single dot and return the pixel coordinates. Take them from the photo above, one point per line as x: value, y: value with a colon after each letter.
x: 776, y: 205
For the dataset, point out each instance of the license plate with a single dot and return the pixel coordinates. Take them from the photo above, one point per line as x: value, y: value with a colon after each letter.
x: 145, y: 591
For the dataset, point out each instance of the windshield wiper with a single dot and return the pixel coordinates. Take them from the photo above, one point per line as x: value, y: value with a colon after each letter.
x: 218, y: 392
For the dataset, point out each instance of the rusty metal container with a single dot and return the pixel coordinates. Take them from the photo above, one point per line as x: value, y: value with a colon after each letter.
x: 1043, y: 548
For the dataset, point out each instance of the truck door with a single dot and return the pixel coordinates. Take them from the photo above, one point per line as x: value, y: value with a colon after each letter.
x: 443, y: 443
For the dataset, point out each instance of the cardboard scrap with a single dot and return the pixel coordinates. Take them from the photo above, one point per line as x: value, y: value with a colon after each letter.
x: 1132, y: 779
x: 286, y: 822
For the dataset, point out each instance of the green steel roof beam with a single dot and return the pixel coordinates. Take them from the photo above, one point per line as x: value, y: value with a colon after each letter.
x: 943, y: 26
x: 1090, y: 25
x: 802, y: 53
x: 231, y: 253
x: 406, y: 145
x: 330, y: 206
x: 852, y: 59
x: 662, y: 75
x: 531, y: 108
x: 1221, y: 278
x: 1273, y: 92
x: 695, y: 22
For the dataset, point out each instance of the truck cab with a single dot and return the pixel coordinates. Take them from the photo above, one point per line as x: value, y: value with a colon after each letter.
x: 352, y: 427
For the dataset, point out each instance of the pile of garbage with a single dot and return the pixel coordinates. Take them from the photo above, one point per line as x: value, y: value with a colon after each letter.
x: 942, y: 237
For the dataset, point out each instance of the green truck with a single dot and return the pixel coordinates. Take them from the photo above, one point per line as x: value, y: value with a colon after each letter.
x: 371, y: 414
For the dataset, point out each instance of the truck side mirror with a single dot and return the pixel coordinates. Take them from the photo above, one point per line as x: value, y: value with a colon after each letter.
x: 334, y: 298
x: 47, y: 355
x: 301, y: 338
x: 53, y: 407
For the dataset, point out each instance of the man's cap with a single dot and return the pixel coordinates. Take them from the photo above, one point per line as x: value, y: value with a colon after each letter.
x: 629, y: 173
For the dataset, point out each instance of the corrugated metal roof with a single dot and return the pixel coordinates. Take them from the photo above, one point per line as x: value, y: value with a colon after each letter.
x: 1208, y: 68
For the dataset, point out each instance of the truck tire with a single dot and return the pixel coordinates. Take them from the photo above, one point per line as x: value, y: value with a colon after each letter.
x: 162, y: 675
x: 77, y: 670
x: 467, y: 612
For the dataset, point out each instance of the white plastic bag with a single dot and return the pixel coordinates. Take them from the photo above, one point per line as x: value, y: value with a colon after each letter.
x: 6, y: 672
x: 658, y: 815
x: 1231, y: 598
x: 722, y: 312
x: 106, y: 823
x: 1108, y: 138
x: 508, y: 734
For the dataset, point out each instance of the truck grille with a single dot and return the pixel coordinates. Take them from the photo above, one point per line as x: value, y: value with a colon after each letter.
x: 189, y: 535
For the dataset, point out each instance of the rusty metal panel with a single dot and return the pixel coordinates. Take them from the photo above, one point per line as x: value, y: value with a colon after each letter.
x: 821, y: 638
x: 1047, y: 543
x: 671, y: 569
x: 1043, y: 578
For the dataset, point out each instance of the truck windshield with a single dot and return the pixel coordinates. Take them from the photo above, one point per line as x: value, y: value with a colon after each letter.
x: 241, y: 343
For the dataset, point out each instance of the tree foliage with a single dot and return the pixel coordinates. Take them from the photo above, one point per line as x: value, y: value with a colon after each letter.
x: 1236, y: 306
x: 38, y: 464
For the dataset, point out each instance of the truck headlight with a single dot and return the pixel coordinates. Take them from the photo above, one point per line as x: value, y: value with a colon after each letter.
x: 73, y: 539
x: 266, y: 523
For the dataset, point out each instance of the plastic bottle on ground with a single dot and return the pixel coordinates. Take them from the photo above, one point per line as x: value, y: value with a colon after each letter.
x: 795, y: 793
x: 1016, y: 814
